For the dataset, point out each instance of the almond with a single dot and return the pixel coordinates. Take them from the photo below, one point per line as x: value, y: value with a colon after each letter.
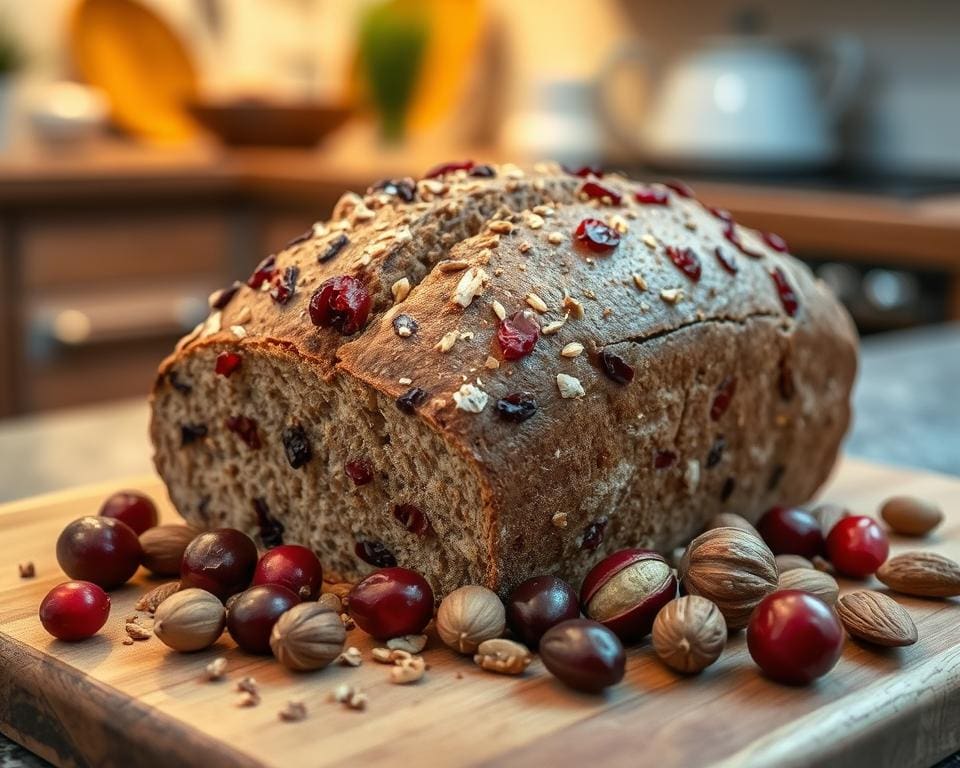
x: 817, y: 583
x: 910, y: 516
x: 876, y: 618
x: 790, y: 562
x: 925, y: 574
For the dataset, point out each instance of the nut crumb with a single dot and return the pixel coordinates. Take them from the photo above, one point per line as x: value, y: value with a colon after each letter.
x: 553, y: 327
x: 649, y: 240
x: 470, y: 398
x: 405, y: 380
x: 400, y: 290
x: 452, y: 265
x: 532, y: 220
x: 348, y: 623
x: 536, y: 302
x: 559, y: 520
x: 216, y: 669
x: 447, y: 341
x: 573, y: 349
x: 351, y: 657
x: 350, y: 697
x: 152, y: 599
x: 491, y: 362
x: 555, y: 238
x: 639, y: 282
x: 249, y: 699
x: 500, y: 226
x: 470, y: 286
x: 574, y: 307
x: 671, y: 295
x: 127, y: 641
x: 498, y: 309
x: 27, y: 570
x: 569, y: 386
x: 382, y: 655
x: 137, y: 632
x: 248, y: 685
x: 503, y: 656
x: 293, y: 712
x: 524, y: 247
x: 408, y: 670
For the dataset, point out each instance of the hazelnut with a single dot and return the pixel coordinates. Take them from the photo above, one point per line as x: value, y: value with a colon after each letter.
x: 189, y: 620
x: 468, y: 616
x: 689, y: 634
x: 626, y: 590
x: 910, y: 516
x: 790, y: 562
x: 308, y: 636
x: 163, y: 547
x: 731, y: 567
x: 730, y: 520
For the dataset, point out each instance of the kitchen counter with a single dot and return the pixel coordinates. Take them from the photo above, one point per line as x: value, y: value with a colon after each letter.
x: 905, y: 412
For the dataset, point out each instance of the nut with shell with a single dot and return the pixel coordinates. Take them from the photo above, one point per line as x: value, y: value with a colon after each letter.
x: 190, y: 620
x: 731, y: 567
x: 818, y: 583
x: 924, y: 574
x: 790, y: 562
x: 468, y: 616
x: 308, y: 636
x: 689, y: 634
x: 730, y: 520
x: 163, y: 547
x: 877, y: 619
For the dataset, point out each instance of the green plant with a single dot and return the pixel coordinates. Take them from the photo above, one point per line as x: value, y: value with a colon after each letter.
x: 11, y: 55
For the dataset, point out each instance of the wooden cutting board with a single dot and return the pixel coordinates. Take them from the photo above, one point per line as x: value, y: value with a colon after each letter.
x: 102, y: 703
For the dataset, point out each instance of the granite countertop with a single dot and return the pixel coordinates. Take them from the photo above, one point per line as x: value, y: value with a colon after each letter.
x: 905, y: 412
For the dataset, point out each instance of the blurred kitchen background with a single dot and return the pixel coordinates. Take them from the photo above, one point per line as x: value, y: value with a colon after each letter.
x: 152, y: 150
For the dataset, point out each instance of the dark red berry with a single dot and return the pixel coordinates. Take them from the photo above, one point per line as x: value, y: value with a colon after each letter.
x: 412, y: 399
x: 246, y: 429
x: 518, y: 334
x: 190, y: 433
x: 341, y: 302
x: 686, y: 261
x: 285, y: 286
x: 616, y: 368
x: 733, y: 237
x: 359, y: 471
x: 444, y: 168
x: 392, y: 602
x: 271, y: 529
x: 179, y: 384
x: 716, y: 452
x: 517, y: 406
x: 791, y: 531
x: 412, y: 518
x: 788, y: 297
x: 374, y: 553
x: 726, y: 259
x: 263, y: 272
x: 775, y: 241
x: 483, y: 171
x: 723, y: 397
x: 679, y: 187
x: 538, y: 604
x: 334, y: 247
x: 721, y: 213
x: 221, y: 298
x: 405, y: 189
x: 102, y: 550
x: 584, y: 171
x: 133, y: 508
x: 405, y: 326
x: 251, y: 616
x: 651, y: 196
x: 596, y: 236
x: 596, y: 191
x: 593, y: 534
x: 292, y: 566
x: 296, y: 446
x: 221, y: 561
x: 227, y: 363
x: 74, y: 610
x: 785, y: 379
x: 776, y: 475
x: 664, y: 459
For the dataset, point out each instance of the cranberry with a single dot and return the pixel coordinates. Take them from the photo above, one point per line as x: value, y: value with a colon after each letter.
x: 483, y: 171
x: 179, y: 384
x: 794, y: 637
x: 857, y: 546
x: 593, y: 534
x: 721, y: 213
x: 222, y: 562
x: 726, y: 260
x: 615, y: 367
x: 392, y: 602
x: 405, y: 325
x: 776, y: 475
x: 103, y: 550
x: 133, y: 508
x: 596, y: 236
x: 341, y: 302
x: 679, y: 187
x: 518, y: 334
x: 292, y: 566
x: 374, y: 553
x: 664, y: 459
x: 271, y: 529
x: 785, y: 380
x: 686, y: 261
x: 788, y: 297
x: 263, y: 272
x: 722, y: 397
x: 190, y: 433
x: 626, y: 590
x: 359, y: 471
x: 296, y: 446
x: 538, y: 604
x: 405, y: 189
x: 775, y: 241
x: 585, y: 171
x: 651, y: 196
x: 74, y: 610
x: 334, y: 247
x: 730, y: 233
x: 246, y: 429
x: 517, y: 406
x: 412, y: 399
x: 227, y: 363
x: 716, y: 452
x: 444, y: 168
x: 221, y: 298
x: 252, y: 615
x: 597, y: 191
x: 583, y: 654
x: 284, y: 288
x: 412, y: 518
x: 791, y: 531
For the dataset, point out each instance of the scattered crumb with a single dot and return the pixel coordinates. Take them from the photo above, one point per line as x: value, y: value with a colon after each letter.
x: 569, y: 386
x: 251, y: 694
x: 27, y: 570
x: 127, y: 641
x: 498, y: 309
x: 671, y: 295
x: 137, y: 632
x: 555, y: 238
x: 294, y: 712
x: 536, y: 302
x: 350, y: 697
x: 351, y: 657
x: 216, y: 669
x: 559, y: 520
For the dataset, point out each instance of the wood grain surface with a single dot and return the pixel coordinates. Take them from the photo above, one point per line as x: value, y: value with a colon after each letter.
x: 102, y: 703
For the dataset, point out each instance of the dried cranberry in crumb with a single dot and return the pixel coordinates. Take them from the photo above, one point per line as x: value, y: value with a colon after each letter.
x: 788, y: 297
x: 664, y: 459
x: 333, y: 248
x: 271, y: 529
x: 716, y: 452
x: 374, y: 553
x: 727, y: 491
x: 722, y: 214
x: 651, y: 196
x: 285, y: 287
x: 517, y: 406
x: 686, y: 261
x: 727, y: 260
x: 341, y: 302
x: 597, y: 191
x: 359, y: 471
x: 264, y: 271
x: 179, y: 384
x: 405, y: 189
x: 518, y: 334
x: 616, y: 368
x: 584, y: 171
x: 730, y: 232
x: 296, y: 446
x: 411, y: 518
x: 596, y: 236
x: 593, y: 534
x: 483, y: 171
x: 221, y: 298
x: 190, y: 433
x: 722, y: 397
x: 785, y: 379
x: 444, y: 168
x: 412, y: 399
x: 227, y: 363
x: 246, y: 429
x: 679, y: 187
x: 775, y: 241
x: 776, y: 475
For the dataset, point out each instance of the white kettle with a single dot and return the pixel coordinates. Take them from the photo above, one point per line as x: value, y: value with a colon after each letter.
x: 736, y: 103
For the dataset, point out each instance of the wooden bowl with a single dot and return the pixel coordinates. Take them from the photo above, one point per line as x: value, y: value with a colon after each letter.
x: 262, y: 123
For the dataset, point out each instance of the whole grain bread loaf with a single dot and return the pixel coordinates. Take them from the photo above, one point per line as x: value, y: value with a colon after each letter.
x: 488, y: 374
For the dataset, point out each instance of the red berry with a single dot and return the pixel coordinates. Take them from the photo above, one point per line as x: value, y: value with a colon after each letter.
x: 74, y: 610
x: 791, y: 531
x: 102, y: 550
x: 615, y: 367
x: 263, y: 272
x: 412, y: 518
x: 651, y: 196
x: 727, y: 261
x: 251, y: 616
x: 359, y: 471
x: 132, y: 508
x: 733, y: 237
x: 518, y: 334
x: 788, y: 297
x: 392, y: 602
x: 857, y: 546
x: 686, y: 261
x: 679, y: 187
x: 722, y: 214
x: 222, y: 562
x: 596, y: 236
x: 221, y: 298
x: 285, y: 286
x: 227, y: 363
x: 444, y: 168
x: 596, y: 191
x: 794, y: 637
x: 585, y: 171
x: 246, y: 429
x: 341, y: 302
x: 722, y: 398
x: 292, y: 566
x: 374, y: 553
x: 775, y: 241
x: 593, y: 534
x: 538, y: 604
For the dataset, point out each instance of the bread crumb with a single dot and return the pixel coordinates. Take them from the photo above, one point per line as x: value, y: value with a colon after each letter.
x: 573, y: 349
x: 447, y: 341
x: 27, y: 570
x: 555, y: 238
x: 491, y: 362
x: 671, y: 295
x: 532, y: 220
x: 405, y: 380
x: 452, y: 265
x: 559, y: 520
x: 573, y: 306
x: 470, y: 398
x: 500, y: 226
x: 470, y: 286
x: 639, y: 282
x: 569, y: 386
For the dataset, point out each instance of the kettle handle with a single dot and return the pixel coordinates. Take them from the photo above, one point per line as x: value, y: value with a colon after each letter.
x: 634, y: 55
x: 843, y: 70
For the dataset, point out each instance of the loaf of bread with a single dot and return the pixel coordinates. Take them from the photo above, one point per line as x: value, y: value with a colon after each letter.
x: 488, y: 374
